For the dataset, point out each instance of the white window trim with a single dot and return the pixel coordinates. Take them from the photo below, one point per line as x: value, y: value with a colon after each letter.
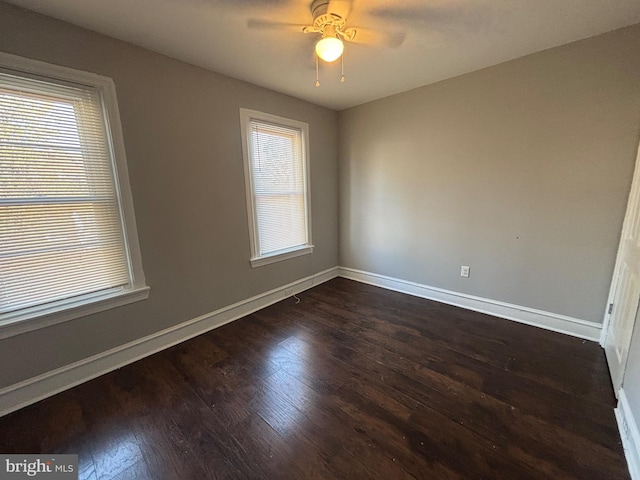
x: 21, y: 321
x: 256, y: 259
x: 285, y: 254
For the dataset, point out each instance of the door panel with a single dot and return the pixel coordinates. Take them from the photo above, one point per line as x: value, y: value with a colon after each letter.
x: 625, y: 290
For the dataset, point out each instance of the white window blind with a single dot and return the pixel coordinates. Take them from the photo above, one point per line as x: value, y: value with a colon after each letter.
x: 61, y: 229
x: 276, y: 173
x: 277, y: 167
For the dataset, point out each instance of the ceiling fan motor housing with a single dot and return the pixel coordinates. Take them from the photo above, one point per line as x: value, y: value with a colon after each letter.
x: 319, y: 7
x: 329, y: 24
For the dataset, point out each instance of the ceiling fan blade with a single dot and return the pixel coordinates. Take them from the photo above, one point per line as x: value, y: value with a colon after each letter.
x: 366, y: 36
x: 414, y: 13
x: 341, y: 8
x: 440, y: 17
x: 249, y: 3
x: 257, y: 24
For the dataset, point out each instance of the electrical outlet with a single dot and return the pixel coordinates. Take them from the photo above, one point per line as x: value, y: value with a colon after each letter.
x: 464, y: 271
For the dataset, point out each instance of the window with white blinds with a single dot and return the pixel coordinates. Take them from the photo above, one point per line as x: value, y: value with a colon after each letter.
x: 277, y: 187
x: 62, y: 230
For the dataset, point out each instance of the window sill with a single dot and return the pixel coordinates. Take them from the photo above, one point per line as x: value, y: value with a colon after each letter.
x: 22, y: 321
x: 281, y: 255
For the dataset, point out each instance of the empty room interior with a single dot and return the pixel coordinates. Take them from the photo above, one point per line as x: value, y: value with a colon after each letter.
x: 324, y: 239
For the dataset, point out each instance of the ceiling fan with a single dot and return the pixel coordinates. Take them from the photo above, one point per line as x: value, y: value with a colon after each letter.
x: 330, y: 19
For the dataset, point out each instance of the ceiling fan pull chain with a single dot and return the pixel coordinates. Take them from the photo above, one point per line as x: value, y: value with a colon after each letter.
x: 317, y: 78
x: 342, y: 77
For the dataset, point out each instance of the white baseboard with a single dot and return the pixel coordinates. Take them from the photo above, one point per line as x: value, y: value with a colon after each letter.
x: 42, y: 386
x: 538, y: 318
x: 629, y: 434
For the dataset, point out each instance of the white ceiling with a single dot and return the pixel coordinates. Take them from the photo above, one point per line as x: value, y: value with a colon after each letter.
x: 442, y: 38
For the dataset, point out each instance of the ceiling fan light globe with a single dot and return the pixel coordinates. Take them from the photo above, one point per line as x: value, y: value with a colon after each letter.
x: 329, y: 49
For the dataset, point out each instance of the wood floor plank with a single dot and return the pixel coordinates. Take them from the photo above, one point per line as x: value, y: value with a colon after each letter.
x: 425, y: 359
x: 537, y: 362
x: 495, y: 422
x: 352, y: 381
x: 338, y: 438
x: 277, y: 457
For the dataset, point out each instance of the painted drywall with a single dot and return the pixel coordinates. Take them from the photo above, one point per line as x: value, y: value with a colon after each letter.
x: 182, y: 136
x: 520, y: 171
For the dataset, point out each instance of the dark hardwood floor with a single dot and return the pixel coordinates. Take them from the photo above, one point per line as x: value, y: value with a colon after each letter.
x: 352, y: 382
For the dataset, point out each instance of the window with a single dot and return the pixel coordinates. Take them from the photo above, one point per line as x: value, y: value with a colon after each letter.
x: 67, y: 231
x: 276, y: 174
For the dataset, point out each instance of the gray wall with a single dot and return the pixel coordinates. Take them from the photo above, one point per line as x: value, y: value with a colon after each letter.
x: 520, y: 171
x: 182, y: 136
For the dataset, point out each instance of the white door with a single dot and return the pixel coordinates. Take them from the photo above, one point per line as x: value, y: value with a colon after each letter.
x: 625, y: 288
